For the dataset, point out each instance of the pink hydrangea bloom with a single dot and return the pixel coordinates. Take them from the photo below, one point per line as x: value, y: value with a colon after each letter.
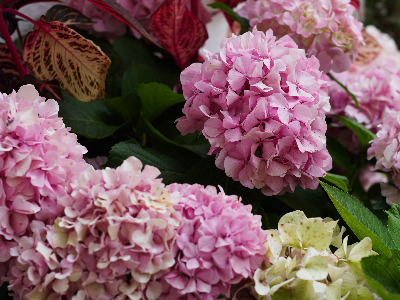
x: 38, y: 158
x: 325, y: 28
x: 261, y: 104
x: 386, y: 148
x: 115, y: 239
x: 375, y: 83
x: 220, y: 243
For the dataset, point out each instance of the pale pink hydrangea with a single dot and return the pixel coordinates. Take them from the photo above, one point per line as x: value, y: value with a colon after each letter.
x: 113, y: 242
x: 386, y: 149
x: 324, y: 28
x: 261, y: 104
x: 375, y: 83
x: 220, y: 243
x: 38, y: 158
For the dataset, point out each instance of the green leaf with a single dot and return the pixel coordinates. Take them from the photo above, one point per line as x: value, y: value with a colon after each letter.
x: 136, y: 74
x: 309, y: 201
x: 352, y: 96
x: 394, y: 224
x: 339, y: 154
x: 360, y: 220
x: 166, y: 70
x: 89, y: 119
x: 363, y: 134
x: 232, y: 15
x: 340, y: 181
x: 172, y: 168
x: 383, y: 276
x: 156, y: 98
x: 127, y: 106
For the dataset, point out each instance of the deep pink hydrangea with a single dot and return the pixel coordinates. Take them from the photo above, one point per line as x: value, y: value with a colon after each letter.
x: 261, y: 104
x: 38, y: 158
x: 115, y: 239
x: 324, y: 28
x: 220, y: 243
x: 386, y: 149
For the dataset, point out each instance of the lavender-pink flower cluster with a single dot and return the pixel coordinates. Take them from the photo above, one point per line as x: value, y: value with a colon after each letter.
x: 220, y: 243
x: 324, y: 28
x: 261, y: 104
x: 38, y: 158
x: 386, y: 149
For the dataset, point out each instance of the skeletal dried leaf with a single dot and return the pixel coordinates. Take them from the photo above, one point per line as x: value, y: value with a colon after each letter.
x: 54, y: 51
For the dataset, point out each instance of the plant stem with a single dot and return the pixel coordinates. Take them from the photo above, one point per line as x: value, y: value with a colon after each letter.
x: 17, y: 13
x: 11, y: 47
x: 194, y: 5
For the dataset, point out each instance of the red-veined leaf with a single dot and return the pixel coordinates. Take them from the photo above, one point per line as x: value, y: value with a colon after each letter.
x: 121, y: 14
x: 8, y: 71
x: 67, y: 15
x: 355, y: 3
x: 181, y: 33
x: 369, y: 51
x: 54, y: 51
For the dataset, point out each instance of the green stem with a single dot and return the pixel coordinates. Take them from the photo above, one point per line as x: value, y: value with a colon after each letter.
x: 345, y: 88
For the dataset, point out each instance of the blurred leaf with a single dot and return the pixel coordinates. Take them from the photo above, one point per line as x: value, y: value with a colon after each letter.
x: 90, y: 119
x: 383, y: 276
x: 54, y: 51
x: 363, y: 134
x: 180, y: 32
x: 232, y: 14
x: 136, y: 74
x: 394, y: 223
x: 360, y: 220
x: 162, y: 70
x: 127, y: 106
x: 307, y: 200
x: 66, y: 15
x: 156, y: 98
x: 339, y: 154
x: 9, y: 75
x: 340, y: 181
x: 172, y: 168
x: 115, y: 9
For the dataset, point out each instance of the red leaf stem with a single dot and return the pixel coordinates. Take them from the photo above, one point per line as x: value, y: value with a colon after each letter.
x: 11, y: 47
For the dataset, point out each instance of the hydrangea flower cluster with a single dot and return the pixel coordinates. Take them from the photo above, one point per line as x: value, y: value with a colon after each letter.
x: 302, y: 266
x: 386, y: 149
x: 261, y: 104
x: 38, y: 158
x: 325, y: 29
x: 115, y: 238
x: 220, y: 243
x: 375, y: 83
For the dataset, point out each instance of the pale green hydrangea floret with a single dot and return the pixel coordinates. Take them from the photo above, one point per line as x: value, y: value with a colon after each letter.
x: 301, y: 264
